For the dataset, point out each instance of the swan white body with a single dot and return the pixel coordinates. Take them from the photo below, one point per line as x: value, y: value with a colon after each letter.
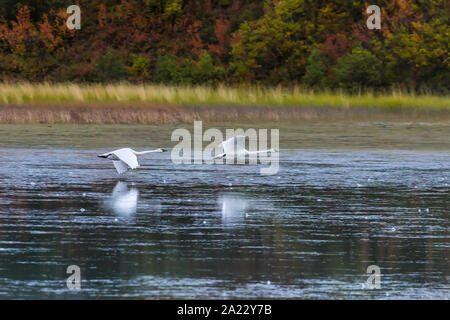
x: 235, y: 146
x: 126, y: 158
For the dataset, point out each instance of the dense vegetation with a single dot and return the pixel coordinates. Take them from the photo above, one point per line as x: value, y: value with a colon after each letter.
x: 313, y: 43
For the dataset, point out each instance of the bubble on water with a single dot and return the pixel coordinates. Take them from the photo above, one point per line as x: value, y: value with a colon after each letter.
x: 393, y: 229
x: 204, y: 221
x: 115, y: 220
x: 319, y: 200
x: 82, y: 209
x: 84, y: 194
x: 246, y: 215
x: 420, y: 210
x: 359, y: 185
x: 427, y: 209
x: 164, y: 181
x: 268, y: 282
x: 33, y: 183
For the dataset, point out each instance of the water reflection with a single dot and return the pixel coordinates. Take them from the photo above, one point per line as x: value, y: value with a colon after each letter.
x: 123, y: 200
x: 169, y: 231
x: 234, y: 209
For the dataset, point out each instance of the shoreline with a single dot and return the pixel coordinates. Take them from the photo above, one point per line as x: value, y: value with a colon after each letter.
x: 138, y: 113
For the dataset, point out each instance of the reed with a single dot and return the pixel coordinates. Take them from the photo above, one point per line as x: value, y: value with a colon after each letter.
x: 117, y: 94
x: 156, y: 104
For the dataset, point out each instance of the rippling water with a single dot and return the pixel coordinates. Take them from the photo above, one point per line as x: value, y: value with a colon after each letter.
x: 224, y: 231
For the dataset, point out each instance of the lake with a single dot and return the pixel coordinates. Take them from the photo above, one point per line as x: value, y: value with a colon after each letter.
x: 347, y: 196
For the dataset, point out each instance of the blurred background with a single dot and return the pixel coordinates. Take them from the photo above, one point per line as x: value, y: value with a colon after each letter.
x: 316, y: 44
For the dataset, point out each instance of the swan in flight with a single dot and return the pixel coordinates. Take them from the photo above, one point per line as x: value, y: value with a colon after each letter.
x: 125, y: 159
x: 235, y: 146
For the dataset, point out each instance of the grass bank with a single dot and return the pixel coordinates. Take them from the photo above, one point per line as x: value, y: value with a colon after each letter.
x: 18, y: 94
x: 126, y: 103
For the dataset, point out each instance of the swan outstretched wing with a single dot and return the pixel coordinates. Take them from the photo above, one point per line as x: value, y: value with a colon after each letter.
x: 120, y: 166
x: 234, y: 145
x: 128, y: 157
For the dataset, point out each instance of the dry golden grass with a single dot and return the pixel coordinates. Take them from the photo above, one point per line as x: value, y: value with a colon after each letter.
x: 126, y: 103
x: 27, y: 93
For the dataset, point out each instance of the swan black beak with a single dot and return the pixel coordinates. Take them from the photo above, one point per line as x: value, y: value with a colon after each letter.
x: 102, y: 156
x: 163, y: 150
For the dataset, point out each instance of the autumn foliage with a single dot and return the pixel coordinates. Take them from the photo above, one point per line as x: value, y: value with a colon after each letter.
x: 289, y: 42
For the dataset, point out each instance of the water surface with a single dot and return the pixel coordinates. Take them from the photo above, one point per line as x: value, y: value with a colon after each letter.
x: 221, y: 231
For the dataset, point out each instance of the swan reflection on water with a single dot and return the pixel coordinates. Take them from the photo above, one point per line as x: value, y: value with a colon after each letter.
x: 234, y: 209
x: 123, y: 200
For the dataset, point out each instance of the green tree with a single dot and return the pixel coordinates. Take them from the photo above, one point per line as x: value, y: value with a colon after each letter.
x: 205, y: 71
x: 188, y: 72
x: 173, y: 9
x: 140, y: 67
x: 359, y: 69
x: 314, y: 75
x: 109, y: 68
x: 275, y: 48
x: 167, y: 70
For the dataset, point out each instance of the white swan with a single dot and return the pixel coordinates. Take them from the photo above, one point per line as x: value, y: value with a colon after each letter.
x: 235, y: 146
x: 125, y: 159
